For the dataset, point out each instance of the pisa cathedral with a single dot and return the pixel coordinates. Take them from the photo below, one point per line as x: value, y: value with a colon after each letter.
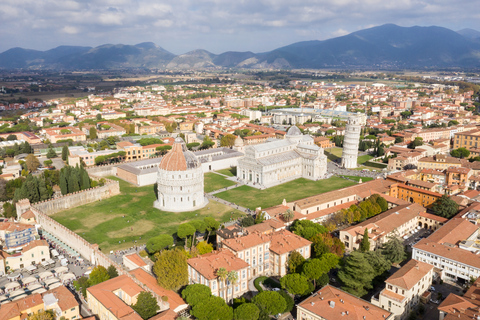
x: 278, y: 161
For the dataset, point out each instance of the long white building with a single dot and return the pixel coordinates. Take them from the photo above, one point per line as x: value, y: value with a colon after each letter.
x: 277, y: 161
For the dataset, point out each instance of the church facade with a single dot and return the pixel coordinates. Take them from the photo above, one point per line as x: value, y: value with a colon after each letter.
x: 277, y: 161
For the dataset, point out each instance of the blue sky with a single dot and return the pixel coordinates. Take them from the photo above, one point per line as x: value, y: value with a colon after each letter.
x: 214, y: 25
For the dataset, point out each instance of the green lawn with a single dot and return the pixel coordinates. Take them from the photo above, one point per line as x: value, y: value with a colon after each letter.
x: 364, y: 158
x: 231, y: 172
x: 215, y: 181
x: 333, y: 154
x: 298, y: 189
x: 364, y: 179
x: 131, y: 216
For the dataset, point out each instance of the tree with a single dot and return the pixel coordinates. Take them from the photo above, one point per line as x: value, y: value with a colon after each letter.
x: 81, y: 285
x: 92, y: 133
x: 307, y: 229
x: 65, y: 153
x: 288, y: 300
x: 98, y: 275
x: 356, y: 274
x: 378, y: 262
x: 185, y: 230
x: 212, y: 308
x: 445, y: 207
x: 232, y: 278
x: 11, y: 137
x: 211, y: 225
x: 460, y: 153
x: 365, y: 244
x: 146, y: 305
x: 32, y: 162
x: 246, y: 311
x: 227, y: 140
x: 42, y: 315
x: 51, y: 153
x: 270, y: 302
x: 247, y: 221
x: 418, y: 141
x: 112, y: 272
x: 204, y: 247
x: 207, y: 143
x: 315, y: 268
x: 171, y: 269
x: 99, y: 116
x: 325, y: 243
x: 260, y: 217
x: 158, y: 243
x: 295, y: 261
x: 47, y: 163
x: 295, y: 283
x: 193, y: 294
x: 288, y: 215
x: 222, y: 274
x: 393, y: 250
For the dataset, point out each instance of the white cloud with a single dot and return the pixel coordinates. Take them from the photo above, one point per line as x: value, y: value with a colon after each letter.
x: 70, y: 30
x: 339, y: 32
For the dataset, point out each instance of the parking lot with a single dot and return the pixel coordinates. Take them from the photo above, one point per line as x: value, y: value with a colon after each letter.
x: 413, y: 238
x: 439, y: 293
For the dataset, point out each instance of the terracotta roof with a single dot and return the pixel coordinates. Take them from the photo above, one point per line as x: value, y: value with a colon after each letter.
x: 28, y: 214
x: 179, y: 158
x: 66, y: 300
x: 246, y: 241
x: 174, y: 298
x: 285, y: 241
x: 208, y: 264
x: 136, y: 259
x: 103, y: 292
x: 410, y: 274
x: 35, y: 243
x: 322, y: 301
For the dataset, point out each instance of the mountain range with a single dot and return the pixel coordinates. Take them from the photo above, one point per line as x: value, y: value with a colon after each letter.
x: 384, y: 47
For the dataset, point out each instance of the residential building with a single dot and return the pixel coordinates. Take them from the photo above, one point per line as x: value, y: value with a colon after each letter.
x: 404, y: 288
x: 413, y: 194
x: 438, y: 162
x: 468, y: 139
x: 203, y: 269
x: 14, y: 234
x: 34, y: 252
x: 64, y: 133
x: 330, y: 303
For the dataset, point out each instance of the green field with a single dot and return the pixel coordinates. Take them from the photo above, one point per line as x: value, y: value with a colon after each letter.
x: 364, y: 158
x: 252, y: 198
x: 231, y: 172
x: 364, y: 179
x: 333, y: 154
x: 215, y: 181
x: 131, y: 216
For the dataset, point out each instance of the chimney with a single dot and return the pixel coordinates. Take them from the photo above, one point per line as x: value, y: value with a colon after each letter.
x: 332, y: 304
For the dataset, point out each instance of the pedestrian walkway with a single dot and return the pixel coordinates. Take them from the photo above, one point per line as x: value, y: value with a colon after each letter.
x: 226, y: 188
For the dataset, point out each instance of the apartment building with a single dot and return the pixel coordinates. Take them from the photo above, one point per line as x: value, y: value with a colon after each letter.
x: 14, y: 234
x: 467, y: 139
x: 60, y: 300
x: 404, y: 288
x: 453, y: 249
x: 267, y: 254
x: 64, y: 133
x: 414, y: 195
x: 330, y: 303
x: 399, y: 221
x: 34, y: 252
x: 203, y: 269
x: 438, y: 162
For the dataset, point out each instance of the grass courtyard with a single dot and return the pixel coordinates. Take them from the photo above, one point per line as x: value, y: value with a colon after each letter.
x: 231, y: 172
x: 115, y: 223
x: 252, y: 198
x: 215, y: 181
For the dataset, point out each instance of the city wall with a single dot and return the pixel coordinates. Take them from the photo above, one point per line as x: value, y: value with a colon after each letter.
x: 76, y: 199
x: 104, y: 170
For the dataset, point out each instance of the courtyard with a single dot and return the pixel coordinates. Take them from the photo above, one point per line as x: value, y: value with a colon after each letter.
x: 130, y: 218
x: 252, y: 198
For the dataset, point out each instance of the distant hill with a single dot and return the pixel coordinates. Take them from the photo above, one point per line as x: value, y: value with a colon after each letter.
x: 386, y: 46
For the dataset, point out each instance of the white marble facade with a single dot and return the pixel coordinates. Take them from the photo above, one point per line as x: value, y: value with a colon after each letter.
x: 277, y: 161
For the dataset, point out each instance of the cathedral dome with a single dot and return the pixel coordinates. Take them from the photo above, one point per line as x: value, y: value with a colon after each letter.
x: 294, y: 131
x: 179, y: 158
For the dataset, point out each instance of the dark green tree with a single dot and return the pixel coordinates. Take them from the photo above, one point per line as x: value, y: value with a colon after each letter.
x: 365, y: 244
x: 212, y: 308
x: 270, y: 302
x: 51, y: 153
x: 288, y: 300
x: 377, y: 261
x: 193, y: 294
x: 246, y: 311
x: 247, y: 221
x: 98, y: 275
x: 146, y: 305
x: 295, y: 261
x: 356, y: 274
x: 112, y: 272
x: 210, y: 225
x: 158, y: 243
x: 394, y: 250
x: 65, y: 153
x: 445, y: 207
x: 295, y: 283
x: 307, y: 229
x: 460, y: 153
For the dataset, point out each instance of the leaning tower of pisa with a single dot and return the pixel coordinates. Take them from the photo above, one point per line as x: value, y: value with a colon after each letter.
x: 350, y: 142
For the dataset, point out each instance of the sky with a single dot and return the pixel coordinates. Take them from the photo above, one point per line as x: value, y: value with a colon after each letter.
x: 180, y: 26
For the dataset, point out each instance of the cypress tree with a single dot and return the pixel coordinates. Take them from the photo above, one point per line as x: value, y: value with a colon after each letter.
x: 63, y: 182
x: 85, y: 180
x: 365, y: 244
x: 65, y: 153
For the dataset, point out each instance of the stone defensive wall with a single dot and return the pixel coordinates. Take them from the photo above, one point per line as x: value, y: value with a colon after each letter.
x: 89, y: 251
x: 72, y: 200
